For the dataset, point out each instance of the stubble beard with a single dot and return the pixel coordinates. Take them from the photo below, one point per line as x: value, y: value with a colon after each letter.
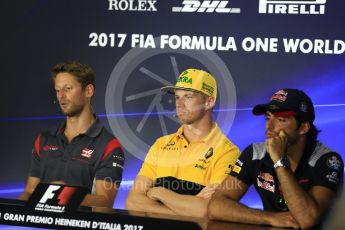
x: 73, y: 111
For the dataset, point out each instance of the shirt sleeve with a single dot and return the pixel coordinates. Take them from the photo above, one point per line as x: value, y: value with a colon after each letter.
x: 112, y: 162
x: 36, y: 158
x: 244, y: 166
x: 149, y: 167
x: 224, y: 164
x: 329, y: 172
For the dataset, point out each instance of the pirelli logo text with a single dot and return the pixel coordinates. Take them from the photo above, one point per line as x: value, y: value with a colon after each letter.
x: 292, y: 7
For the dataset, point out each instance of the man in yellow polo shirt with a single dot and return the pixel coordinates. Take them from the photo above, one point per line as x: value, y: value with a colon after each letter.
x: 182, y: 170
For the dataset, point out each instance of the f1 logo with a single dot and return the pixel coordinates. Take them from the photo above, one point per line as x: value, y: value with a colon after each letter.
x: 50, y: 193
x: 66, y: 195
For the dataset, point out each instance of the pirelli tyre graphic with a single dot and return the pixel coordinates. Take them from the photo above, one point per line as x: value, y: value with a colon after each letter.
x: 138, y: 112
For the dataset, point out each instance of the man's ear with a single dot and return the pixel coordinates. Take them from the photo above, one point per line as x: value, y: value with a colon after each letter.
x: 89, y: 90
x: 210, y: 102
x: 304, y: 127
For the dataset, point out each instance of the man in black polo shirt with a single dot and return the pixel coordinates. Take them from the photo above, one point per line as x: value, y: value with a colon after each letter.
x: 296, y: 176
x: 80, y: 151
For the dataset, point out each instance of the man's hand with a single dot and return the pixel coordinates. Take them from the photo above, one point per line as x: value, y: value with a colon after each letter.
x: 276, y: 146
x: 283, y: 219
x: 207, y: 192
x: 153, y: 193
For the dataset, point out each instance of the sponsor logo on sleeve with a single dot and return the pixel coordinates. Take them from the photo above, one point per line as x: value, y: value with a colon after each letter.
x: 118, y: 157
x: 333, y: 177
x: 237, y: 169
x: 117, y: 165
x: 50, y: 148
x: 334, y: 163
x: 240, y: 163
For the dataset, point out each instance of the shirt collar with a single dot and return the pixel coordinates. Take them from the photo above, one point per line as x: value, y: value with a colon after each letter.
x: 211, y: 135
x: 93, y: 131
x: 95, y: 128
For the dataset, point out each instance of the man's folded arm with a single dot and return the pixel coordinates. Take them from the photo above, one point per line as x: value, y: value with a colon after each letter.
x: 307, y: 207
x: 186, y: 205
x: 225, y: 205
x: 137, y: 199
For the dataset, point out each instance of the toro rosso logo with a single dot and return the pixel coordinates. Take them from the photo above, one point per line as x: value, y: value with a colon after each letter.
x: 281, y: 96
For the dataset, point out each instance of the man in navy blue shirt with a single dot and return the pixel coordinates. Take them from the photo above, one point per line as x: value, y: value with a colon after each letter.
x: 80, y: 151
x: 296, y: 176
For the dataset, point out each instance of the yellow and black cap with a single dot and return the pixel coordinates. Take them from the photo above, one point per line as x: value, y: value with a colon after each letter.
x: 195, y: 80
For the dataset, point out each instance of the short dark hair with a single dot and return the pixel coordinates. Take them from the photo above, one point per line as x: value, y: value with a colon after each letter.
x: 82, y: 72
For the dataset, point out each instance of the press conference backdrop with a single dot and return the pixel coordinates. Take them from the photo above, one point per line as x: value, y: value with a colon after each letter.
x: 253, y: 48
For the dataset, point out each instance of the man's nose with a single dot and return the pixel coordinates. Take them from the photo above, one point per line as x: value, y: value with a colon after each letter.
x: 269, y: 123
x: 179, y: 102
x: 60, y: 94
